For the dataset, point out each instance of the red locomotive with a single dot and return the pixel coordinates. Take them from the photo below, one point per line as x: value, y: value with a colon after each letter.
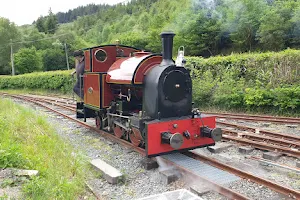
x: 144, y: 98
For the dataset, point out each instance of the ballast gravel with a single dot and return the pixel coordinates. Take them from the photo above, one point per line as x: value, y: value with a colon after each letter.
x: 140, y: 183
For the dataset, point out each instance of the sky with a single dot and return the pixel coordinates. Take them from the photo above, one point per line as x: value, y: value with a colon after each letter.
x: 26, y: 11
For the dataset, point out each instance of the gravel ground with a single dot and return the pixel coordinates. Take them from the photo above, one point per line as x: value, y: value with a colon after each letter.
x: 10, y: 185
x: 138, y: 182
x: 292, y: 129
x: 249, y: 189
x: 281, y: 176
x: 141, y: 183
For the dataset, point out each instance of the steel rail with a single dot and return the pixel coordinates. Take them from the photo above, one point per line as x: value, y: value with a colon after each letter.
x: 263, y: 146
x: 49, y: 99
x: 60, y: 97
x: 263, y: 132
x: 216, y: 187
x: 267, y: 139
x: 53, y: 103
x: 274, y: 163
x: 259, y: 116
x: 261, y: 119
x: 102, y: 133
x: 274, y: 186
x: 220, y: 189
x: 71, y: 108
x: 65, y: 106
x: 97, y: 196
x: 70, y: 105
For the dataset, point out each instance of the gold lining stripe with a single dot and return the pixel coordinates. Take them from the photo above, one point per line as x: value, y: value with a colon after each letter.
x: 103, y: 82
x: 99, y: 90
x: 102, y: 95
x: 89, y: 105
x: 125, y: 83
x: 85, y: 95
x: 134, y: 78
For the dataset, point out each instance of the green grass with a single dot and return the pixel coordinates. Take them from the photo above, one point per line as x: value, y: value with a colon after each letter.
x: 38, y: 92
x: 29, y: 142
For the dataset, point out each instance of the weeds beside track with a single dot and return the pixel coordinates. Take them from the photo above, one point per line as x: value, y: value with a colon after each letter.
x: 29, y: 142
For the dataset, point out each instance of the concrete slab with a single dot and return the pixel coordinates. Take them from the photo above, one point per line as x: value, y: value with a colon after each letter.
x: 245, y: 149
x: 27, y: 173
x: 181, y: 194
x: 111, y: 174
x: 169, y: 176
x: 149, y: 164
x: 272, y: 156
x: 199, y: 190
x: 219, y: 147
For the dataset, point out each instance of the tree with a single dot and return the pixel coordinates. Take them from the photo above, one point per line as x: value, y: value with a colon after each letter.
x: 271, y: 31
x: 136, y: 39
x: 41, y: 24
x: 243, y: 20
x: 8, y: 30
x: 28, y: 60
x: 54, y: 59
x: 106, y: 33
x: 51, y: 22
x: 39, y: 40
x: 296, y: 27
x: 203, y: 35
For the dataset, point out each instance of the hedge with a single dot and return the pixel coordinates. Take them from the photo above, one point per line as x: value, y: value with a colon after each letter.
x: 253, y: 81
x: 56, y: 80
x: 273, y: 68
x: 243, y: 81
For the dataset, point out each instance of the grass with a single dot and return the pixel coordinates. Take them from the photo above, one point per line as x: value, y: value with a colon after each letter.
x: 29, y: 142
x: 38, y: 92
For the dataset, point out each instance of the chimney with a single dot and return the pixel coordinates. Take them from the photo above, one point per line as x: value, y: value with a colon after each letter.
x: 167, y: 48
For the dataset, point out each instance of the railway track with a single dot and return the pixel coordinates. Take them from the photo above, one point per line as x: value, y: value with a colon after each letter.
x: 65, y: 101
x: 217, y: 187
x: 261, y: 139
x: 62, y: 105
x: 261, y: 118
x: 40, y: 102
x: 293, y: 138
x: 265, y: 140
x: 264, y: 118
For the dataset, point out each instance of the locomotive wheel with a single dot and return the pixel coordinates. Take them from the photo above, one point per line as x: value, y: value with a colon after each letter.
x: 118, y: 131
x: 135, y: 137
x: 98, y: 122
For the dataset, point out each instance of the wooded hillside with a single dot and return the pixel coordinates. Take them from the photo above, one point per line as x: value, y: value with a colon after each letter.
x: 205, y: 27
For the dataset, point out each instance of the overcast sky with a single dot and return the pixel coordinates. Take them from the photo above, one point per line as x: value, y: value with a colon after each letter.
x: 26, y: 11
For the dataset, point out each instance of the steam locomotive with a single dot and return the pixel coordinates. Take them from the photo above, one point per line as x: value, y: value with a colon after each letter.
x: 144, y: 98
